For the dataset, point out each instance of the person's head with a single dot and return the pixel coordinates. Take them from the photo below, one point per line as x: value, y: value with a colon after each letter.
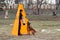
x: 21, y: 10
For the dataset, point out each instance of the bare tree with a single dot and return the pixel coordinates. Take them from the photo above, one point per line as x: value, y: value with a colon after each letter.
x: 39, y: 2
x: 6, y: 11
x: 57, y: 7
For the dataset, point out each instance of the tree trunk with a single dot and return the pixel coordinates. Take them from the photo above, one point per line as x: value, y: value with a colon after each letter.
x: 6, y: 11
x: 6, y: 14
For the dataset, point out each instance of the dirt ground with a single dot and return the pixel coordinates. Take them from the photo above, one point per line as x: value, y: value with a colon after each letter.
x: 46, y: 25
x: 45, y: 31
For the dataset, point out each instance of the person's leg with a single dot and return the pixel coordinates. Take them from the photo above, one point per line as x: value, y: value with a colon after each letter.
x: 19, y: 27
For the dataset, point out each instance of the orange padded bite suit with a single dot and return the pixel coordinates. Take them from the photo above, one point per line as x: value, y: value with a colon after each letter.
x: 20, y: 26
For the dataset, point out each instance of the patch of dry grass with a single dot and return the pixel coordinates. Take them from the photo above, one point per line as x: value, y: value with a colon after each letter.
x: 5, y: 31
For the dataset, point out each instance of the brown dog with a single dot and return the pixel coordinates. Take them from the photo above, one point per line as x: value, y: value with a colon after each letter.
x: 30, y: 29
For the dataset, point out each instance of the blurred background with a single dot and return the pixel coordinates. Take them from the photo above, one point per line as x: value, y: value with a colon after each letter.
x: 44, y: 16
x: 33, y: 8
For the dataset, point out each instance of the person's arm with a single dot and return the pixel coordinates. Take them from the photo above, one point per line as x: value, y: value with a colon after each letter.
x: 23, y: 20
